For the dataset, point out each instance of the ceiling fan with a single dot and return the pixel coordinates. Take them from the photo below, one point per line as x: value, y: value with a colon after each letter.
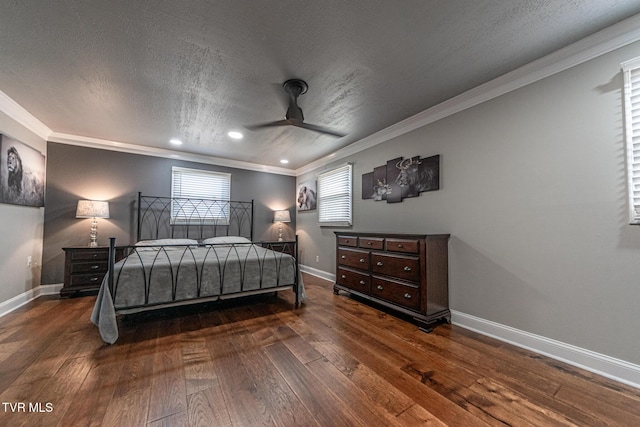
x: 294, y: 117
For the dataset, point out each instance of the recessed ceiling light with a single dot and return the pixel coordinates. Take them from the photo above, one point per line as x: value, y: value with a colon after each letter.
x: 235, y: 135
x: 284, y: 161
x: 175, y: 141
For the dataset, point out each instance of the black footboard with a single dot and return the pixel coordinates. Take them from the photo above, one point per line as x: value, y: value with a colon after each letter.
x: 149, y: 276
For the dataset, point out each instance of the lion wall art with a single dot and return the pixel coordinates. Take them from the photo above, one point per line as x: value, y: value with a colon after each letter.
x: 21, y: 173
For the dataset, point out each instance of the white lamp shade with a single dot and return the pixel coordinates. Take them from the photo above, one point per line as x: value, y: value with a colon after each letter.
x: 92, y: 209
x: 281, y: 216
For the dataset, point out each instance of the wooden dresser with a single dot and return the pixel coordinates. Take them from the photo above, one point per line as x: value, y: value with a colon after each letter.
x: 84, y: 268
x: 405, y: 272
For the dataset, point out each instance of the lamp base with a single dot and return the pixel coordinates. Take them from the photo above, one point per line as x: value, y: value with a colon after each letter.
x: 94, y: 234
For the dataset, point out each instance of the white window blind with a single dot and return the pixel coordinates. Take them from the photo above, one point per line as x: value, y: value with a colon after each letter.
x: 631, y: 71
x: 334, y: 196
x: 194, y: 191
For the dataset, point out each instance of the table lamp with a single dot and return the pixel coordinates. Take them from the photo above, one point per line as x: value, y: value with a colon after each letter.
x: 93, y: 209
x: 280, y: 217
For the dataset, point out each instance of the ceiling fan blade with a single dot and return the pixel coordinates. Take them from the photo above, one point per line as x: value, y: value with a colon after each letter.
x: 294, y: 116
x: 320, y: 129
x: 269, y: 124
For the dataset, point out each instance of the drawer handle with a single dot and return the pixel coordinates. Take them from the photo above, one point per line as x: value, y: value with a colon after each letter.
x: 407, y: 296
x: 95, y: 255
x: 399, y: 245
x: 343, y: 257
x: 347, y: 241
x: 380, y: 287
x: 94, y: 279
x: 379, y: 263
x: 362, y: 260
x: 344, y: 277
x: 362, y: 282
x: 95, y: 267
x: 369, y: 243
x: 407, y: 268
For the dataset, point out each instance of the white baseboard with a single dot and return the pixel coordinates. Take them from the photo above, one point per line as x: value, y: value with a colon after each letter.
x: 610, y: 367
x: 51, y: 289
x: 318, y: 273
x: 616, y: 369
x: 18, y: 301
x: 601, y: 364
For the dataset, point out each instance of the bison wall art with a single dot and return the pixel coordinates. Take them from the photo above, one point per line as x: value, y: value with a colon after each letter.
x: 402, y: 178
x: 21, y: 173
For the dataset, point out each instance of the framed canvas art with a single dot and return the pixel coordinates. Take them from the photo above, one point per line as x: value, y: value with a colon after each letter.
x: 21, y: 173
x: 402, y: 178
x: 306, y: 197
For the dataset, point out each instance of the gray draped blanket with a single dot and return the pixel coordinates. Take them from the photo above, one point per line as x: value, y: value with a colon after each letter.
x: 166, y: 275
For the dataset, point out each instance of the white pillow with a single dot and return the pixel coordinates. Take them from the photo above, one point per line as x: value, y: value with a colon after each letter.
x: 154, y: 245
x: 225, y: 240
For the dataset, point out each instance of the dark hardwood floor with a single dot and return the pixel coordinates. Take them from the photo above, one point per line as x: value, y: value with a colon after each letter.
x: 333, y: 362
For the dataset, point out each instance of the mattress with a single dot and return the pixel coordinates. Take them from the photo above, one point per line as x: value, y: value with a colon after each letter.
x: 169, y: 275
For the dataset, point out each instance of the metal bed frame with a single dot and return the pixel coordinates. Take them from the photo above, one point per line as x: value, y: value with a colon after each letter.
x: 200, y: 218
x: 155, y: 221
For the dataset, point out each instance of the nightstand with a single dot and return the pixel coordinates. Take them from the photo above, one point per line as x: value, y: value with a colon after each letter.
x: 284, y: 247
x: 84, y: 269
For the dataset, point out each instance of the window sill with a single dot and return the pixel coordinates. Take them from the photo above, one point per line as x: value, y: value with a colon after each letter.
x: 335, y: 224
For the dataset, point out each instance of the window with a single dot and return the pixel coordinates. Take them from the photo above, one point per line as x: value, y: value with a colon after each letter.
x: 334, y: 196
x: 190, y: 186
x: 631, y: 71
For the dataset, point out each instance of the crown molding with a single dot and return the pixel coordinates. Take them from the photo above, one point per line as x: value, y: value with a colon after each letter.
x: 123, y: 147
x: 15, y: 111
x: 600, y: 43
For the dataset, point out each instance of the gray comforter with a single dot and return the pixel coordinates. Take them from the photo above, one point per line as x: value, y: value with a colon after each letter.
x: 175, y: 274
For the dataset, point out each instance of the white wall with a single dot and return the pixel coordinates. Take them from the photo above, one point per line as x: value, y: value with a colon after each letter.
x: 21, y: 229
x: 533, y: 193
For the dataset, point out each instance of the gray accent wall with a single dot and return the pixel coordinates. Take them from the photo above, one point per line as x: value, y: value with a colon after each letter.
x: 533, y: 193
x: 75, y: 173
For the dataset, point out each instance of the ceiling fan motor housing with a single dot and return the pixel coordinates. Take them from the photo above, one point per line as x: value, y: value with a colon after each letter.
x: 295, y: 87
x: 294, y: 116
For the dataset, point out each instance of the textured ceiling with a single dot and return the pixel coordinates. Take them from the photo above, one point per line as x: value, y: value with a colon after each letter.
x: 143, y: 72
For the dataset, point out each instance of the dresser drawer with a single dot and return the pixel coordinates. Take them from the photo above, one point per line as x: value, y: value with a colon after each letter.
x: 354, y: 280
x: 88, y: 255
x: 86, y: 280
x: 371, y: 243
x: 402, y: 267
x: 348, y: 241
x: 89, y: 267
x: 402, y: 245
x: 403, y: 294
x: 354, y: 258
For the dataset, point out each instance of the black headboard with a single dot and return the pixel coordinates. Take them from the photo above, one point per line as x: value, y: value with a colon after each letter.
x: 177, y: 218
